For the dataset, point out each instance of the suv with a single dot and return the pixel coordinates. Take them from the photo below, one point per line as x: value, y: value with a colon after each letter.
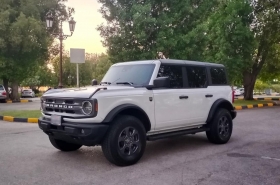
x: 140, y: 101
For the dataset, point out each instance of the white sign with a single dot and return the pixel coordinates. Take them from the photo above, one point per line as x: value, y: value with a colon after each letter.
x: 77, y: 55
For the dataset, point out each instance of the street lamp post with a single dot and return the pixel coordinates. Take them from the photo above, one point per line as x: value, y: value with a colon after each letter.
x: 61, y: 36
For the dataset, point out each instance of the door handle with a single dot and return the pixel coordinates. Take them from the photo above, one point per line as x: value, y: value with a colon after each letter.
x: 183, y: 97
x: 208, y: 95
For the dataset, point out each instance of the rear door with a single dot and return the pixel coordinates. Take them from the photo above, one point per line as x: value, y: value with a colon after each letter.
x: 200, y: 95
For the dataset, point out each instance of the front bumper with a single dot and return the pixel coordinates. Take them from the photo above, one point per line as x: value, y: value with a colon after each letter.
x: 83, y: 134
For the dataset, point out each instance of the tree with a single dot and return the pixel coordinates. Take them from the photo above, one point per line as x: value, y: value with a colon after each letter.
x: 138, y: 29
x: 101, y: 67
x: 42, y: 77
x: 244, y: 35
x: 69, y: 70
x: 24, y: 41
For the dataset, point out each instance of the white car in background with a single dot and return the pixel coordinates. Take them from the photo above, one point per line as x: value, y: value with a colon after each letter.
x: 27, y: 93
x: 3, y: 94
x: 239, y: 92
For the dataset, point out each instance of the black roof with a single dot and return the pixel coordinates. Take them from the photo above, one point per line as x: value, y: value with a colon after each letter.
x: 174, y: 61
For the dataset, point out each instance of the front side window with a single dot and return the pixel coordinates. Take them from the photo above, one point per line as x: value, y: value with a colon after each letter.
x: 196, y: 77
x: 174, y: 73
x: 135, y: 74
x: 218, y: 76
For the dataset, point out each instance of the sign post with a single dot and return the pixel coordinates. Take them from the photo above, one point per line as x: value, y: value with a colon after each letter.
x: 77, y: 56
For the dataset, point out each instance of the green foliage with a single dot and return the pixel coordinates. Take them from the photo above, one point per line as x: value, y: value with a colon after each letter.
x: 276, y: 88
x: 229, y: 38
x: 137, y: 30
x: 261, y: 86
x: 242, y: 35
x: 42, y: 77
x: 24, y: 41
x: 94, y: 67
x: 101, y: 67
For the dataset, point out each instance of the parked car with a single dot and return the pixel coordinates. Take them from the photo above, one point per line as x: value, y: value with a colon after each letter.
x: 239, y: 92
x: 3, y: 94
x: 139, y: 101
x: 27, y: 93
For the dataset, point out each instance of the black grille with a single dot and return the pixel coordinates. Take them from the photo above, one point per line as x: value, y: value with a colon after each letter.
x: 62, y: 106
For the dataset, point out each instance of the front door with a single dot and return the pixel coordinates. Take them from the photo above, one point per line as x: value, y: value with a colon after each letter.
x: 172, y: 104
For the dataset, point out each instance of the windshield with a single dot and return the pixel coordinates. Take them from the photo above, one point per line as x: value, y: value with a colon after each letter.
x: 1, y: 88
x: 134, y: 74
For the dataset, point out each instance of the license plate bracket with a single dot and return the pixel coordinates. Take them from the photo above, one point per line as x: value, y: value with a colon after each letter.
x: 56, y: 120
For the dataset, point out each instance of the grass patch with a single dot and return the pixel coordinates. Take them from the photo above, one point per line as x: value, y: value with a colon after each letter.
x: 249, y: 102
x: 22, y: 113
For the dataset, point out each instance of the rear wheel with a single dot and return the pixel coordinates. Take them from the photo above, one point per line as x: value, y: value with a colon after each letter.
x: 220, y: 127
x: 125, y: 142
x: 64, y: 146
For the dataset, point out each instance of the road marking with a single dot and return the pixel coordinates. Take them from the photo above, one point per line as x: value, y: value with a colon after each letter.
x: 270, y: 158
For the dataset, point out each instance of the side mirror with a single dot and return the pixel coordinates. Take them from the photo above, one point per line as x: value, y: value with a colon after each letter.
x: 162, y: 82
x: 94, y: 82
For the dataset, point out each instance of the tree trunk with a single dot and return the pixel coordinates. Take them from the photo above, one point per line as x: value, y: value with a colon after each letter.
x: 6, y: 86
x: 15, y: 95
x: 249, y: 81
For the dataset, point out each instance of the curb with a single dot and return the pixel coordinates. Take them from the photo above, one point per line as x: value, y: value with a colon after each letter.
x: 22, y: 120
x: 254, y: 106
x: 21, y: 101
x: 275, y: 99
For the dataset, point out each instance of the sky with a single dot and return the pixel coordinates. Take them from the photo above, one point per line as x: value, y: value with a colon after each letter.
x: 87, y: 19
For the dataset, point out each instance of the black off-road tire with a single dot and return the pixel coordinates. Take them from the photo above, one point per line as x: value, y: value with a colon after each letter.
x: 64, y: 146
x: 125, y: 142
x: 220, y: 127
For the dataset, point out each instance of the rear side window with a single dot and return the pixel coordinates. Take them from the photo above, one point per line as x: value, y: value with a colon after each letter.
x: 174, y: 73
x: 218, y: 76
x: 196, y: 77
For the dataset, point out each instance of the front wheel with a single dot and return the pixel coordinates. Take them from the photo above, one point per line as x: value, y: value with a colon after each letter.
x: 64, y: 146
x: 125, y: 142
x: 220, y: 127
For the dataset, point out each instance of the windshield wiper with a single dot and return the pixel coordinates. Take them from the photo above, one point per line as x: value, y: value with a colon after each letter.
x: 125, y: 83
x: 109, y: 83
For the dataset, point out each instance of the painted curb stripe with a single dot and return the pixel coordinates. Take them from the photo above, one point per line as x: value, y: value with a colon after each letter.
x: 275, y: 99
x: 254, y: 106
x: 8, y: 118
x: 21, y: 101
x: 20, y: 120
x: 238, y: 107
x: 32, y: 120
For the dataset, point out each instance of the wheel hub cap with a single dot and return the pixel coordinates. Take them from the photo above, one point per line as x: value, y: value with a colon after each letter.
x: 128, y: 141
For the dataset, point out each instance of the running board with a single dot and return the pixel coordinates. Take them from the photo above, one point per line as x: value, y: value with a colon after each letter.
x: 176, y: 133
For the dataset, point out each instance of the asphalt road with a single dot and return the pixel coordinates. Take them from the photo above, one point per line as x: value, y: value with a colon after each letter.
x: 251, y: 157
x: 35, y: 105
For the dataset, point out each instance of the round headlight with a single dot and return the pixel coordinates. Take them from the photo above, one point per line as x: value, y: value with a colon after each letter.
x: 87, y: 107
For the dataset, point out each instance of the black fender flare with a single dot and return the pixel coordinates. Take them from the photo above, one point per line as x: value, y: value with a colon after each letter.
x: 221, y: 103
x: 114, y: 112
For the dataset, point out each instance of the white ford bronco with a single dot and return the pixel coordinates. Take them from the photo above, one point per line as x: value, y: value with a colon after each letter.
x: 139, y: 101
